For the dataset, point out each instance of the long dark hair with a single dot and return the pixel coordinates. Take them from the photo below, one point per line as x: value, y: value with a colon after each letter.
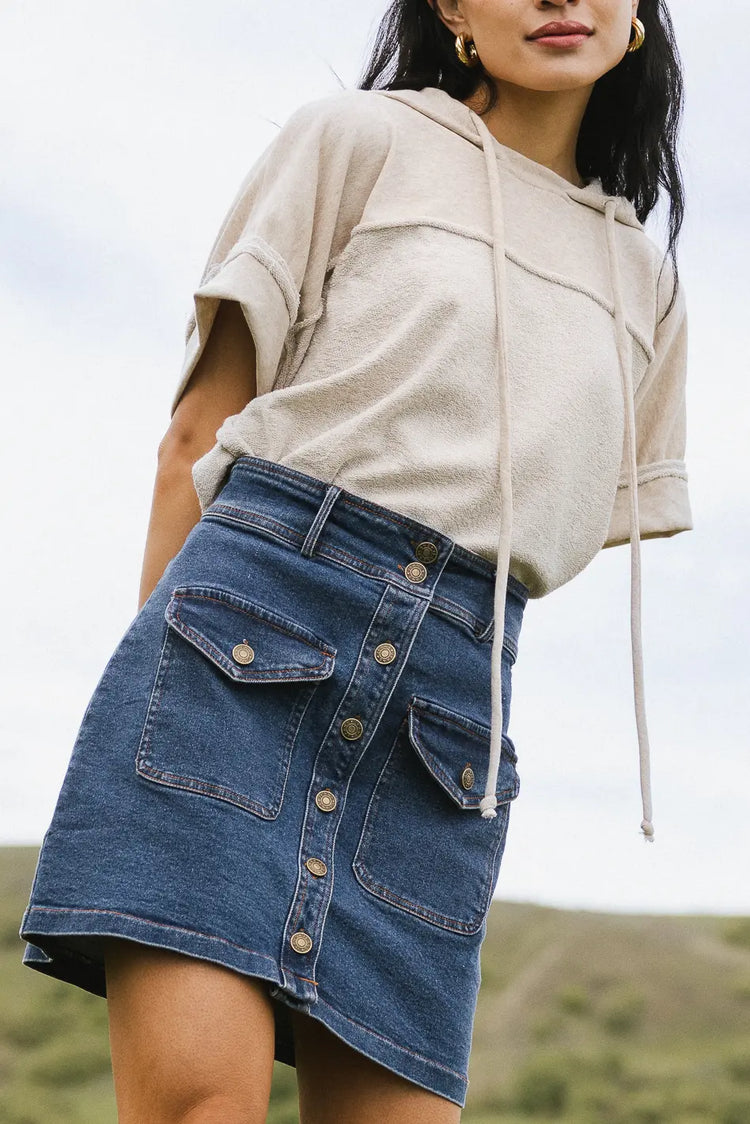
x: 628, y: 135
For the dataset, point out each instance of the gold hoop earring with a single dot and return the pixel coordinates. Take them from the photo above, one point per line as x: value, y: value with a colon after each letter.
x: 467, y: 55
x: 640, y: 34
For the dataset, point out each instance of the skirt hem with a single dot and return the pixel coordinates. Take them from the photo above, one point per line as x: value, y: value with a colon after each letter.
x: 62, y: 960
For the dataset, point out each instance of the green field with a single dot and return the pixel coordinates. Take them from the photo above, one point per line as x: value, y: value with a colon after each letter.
x: 583, y: 1018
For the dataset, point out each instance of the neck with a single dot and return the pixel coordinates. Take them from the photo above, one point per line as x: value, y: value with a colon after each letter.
x: 540, y: 124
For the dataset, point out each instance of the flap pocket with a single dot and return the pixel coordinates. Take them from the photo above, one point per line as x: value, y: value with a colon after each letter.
x: 246, y: 640
x: 456, y: 750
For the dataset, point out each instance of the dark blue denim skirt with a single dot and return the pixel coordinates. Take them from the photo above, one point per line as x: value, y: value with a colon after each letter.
x: 280, y: 768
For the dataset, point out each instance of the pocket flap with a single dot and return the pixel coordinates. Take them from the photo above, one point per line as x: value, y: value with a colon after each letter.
x: 450, y: 744
x: 249, y: 642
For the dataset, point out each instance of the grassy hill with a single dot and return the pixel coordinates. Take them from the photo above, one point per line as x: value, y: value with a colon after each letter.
x: 583, y: 1018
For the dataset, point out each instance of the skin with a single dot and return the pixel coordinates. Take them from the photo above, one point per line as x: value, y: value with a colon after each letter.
x: 192, y: 1041
x: 222, y: 383
x: 543, y: 91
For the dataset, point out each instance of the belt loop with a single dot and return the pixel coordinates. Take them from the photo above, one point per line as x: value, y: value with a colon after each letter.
x: 308, y: 546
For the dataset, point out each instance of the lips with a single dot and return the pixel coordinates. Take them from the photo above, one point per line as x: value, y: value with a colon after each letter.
x: 561, y: 27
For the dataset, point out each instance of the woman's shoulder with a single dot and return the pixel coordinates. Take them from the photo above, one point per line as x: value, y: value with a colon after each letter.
x: 346, y: 116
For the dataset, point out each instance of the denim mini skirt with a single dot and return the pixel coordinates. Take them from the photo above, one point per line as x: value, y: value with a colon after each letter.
x: 280, y: 769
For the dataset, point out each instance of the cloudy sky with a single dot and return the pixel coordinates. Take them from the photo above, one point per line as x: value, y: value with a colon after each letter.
x: 125, y: 131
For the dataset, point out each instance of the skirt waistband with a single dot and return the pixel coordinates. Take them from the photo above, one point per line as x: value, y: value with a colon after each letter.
x: 320, y: 518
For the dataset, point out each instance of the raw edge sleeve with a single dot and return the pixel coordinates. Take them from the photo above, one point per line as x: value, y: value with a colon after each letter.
x: 287, y: 219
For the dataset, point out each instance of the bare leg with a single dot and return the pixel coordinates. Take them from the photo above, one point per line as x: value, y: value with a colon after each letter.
x: 338, y: 1085
x: 191, y: 1041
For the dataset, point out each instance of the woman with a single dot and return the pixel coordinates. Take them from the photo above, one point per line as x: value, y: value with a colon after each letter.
x: 464, y: 375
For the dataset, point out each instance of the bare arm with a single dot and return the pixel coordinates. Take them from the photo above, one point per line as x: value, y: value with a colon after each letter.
x: 222, y: 383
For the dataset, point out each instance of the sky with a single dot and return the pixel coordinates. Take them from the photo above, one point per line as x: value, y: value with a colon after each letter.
x: 125, y: 131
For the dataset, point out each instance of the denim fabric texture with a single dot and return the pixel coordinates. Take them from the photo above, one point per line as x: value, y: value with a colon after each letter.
x: 280, y: 769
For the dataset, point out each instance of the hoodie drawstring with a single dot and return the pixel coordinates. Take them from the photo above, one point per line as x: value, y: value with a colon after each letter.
x: 626, y: 371
x: 488, y: 803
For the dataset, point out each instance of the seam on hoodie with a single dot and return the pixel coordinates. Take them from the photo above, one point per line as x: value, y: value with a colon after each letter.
x: 440, y: 224
x: 333, y: 261
x: 478, y: 236
x: 305, y: 323
x: 272, y: 262
x: 607, y: 305
x: 657, y: 470
x: 659, y: 260
x: 295, y: 348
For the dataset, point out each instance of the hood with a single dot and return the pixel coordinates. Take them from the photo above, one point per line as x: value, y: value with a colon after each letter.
x: 452, y: 114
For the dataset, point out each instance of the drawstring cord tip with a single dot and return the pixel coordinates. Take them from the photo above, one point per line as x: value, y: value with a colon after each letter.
x: 487, y: 807
x: 648, y: 830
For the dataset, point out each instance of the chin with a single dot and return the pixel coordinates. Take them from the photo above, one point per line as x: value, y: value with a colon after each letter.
x: 561, y: 74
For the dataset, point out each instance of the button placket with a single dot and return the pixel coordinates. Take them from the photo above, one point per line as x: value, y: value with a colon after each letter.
x: 371, y: 685
x: 301, y: 941
x: 326, y: 800
x: 352, y: 729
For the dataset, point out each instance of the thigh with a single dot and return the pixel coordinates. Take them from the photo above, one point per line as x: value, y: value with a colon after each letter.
x: 338, y: 1083
x: 190, y: 1039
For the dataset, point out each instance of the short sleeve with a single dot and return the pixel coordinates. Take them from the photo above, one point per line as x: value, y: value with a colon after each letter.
x: 660, y: 413
x: 292, y: 214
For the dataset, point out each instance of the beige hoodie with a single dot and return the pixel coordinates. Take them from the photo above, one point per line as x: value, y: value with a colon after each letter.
x: 448, y: 328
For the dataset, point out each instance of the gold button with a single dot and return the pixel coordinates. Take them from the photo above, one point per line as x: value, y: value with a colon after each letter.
x: 316, y: 867
x: 467, y: 777
x: 426, y: 551
x: 243, y: 653
x: 415, y: 572
x: 326, y: 800
x: 352, y: 729
x: 385, y: 653
x: 301, y: 941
